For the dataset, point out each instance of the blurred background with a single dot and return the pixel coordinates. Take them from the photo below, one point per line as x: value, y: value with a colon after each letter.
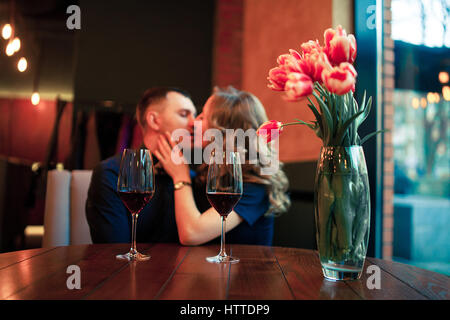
x: 67, y: 100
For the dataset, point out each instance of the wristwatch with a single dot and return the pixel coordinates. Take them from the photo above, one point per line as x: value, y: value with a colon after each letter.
x: 181, y: 184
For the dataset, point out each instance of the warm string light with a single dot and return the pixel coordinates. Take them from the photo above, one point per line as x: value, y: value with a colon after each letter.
x: 22, y: 64
x: 415, y: 103
x: 446, y: 93
x: 423, y: 103
x: 13, y: 46
x: 433, y: 97
x: 7, y: 31
x: 16, y: 44
x: 35, y: 98
x: 443, y: 77
x: 436, y: 97
x: 9, y: 49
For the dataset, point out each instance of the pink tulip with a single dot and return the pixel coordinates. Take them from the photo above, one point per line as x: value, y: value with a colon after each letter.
x: 297, y: 86
x: 295, y: 54
x: 308, y: 47
x: 289, y: 62
x: 339, y: 47
x: 314, y: 63
x: 270, y: 130
x: 341, y: 79
x: 277, y: 78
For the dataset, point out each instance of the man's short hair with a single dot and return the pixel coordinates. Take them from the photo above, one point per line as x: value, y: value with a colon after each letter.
x: 152, y: 96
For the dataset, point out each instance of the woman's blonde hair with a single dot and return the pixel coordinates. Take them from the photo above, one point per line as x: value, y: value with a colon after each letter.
x: 235, y: 109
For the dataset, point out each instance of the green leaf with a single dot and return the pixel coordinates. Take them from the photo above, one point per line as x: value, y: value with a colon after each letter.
x: 315, y: 127
x: 319, y: 129
x: 305, y: 123
x: 314, y: 109
x: 324, y: 108
x: 366, y: 110
x: 370, y: 135
x: 340, y: 110
x: 344, y: 127
x: 333, y: 110
x: 355, y: 110
x: 363, y: 100
x: 356, y: 125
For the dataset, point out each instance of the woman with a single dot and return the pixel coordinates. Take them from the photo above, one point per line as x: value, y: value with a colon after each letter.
x: 251, y: 221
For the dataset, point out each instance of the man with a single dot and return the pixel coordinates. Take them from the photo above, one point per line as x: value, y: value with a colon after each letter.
x: 160, y: 110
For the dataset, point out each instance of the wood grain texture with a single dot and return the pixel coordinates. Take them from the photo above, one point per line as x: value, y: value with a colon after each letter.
x: 176, y: 272
x: 9, y: 258
x: 257, y: 275
x: 142, y: 280
x: 430, y: 284
x: 197, y: 279
x: 390, y: 287
x: 20, y: 275
x: 303, y: 272
x: 97, y: 264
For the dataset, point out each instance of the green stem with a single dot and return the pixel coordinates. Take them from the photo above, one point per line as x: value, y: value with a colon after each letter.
x: 289, y: 124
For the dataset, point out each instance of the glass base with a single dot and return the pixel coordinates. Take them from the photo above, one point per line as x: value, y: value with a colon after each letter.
x: 133, y: 256
x: 222, y: 259
x: 341, y: 273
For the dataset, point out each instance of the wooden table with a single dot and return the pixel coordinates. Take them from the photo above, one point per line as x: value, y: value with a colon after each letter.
x: 176, y: 272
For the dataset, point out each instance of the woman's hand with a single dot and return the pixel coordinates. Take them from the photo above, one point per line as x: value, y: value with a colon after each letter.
x: 178, y: 171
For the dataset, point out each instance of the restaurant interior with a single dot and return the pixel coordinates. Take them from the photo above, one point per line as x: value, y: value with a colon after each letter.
x: 68, y: 95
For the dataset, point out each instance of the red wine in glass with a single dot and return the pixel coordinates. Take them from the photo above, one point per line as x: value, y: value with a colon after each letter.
x: 135, y: 201
x: 223, y: 202
x: 135, y: 187
x: 224, y: 188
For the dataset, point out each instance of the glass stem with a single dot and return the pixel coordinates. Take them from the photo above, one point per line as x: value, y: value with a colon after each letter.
x: 222, y: 252
x: 133, y: 234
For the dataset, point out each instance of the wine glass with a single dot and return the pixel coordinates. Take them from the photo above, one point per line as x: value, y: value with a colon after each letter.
x: 224, y: 189
x: 136, y: 187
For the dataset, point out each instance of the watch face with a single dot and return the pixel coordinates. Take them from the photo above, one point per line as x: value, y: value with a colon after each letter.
x: 180, y: 184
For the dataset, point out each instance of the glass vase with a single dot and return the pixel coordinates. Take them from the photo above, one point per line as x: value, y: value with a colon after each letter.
x: 342, y: 211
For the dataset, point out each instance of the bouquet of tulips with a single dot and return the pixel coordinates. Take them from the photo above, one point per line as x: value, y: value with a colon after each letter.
x: 342, y: 198
x: 327, y: 73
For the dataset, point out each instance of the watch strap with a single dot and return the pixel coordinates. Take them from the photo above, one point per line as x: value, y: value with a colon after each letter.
x: 180, y: 184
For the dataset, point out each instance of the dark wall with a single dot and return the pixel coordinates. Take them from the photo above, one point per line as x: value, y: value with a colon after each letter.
x: 417, y: 67
x: 47, y: 45
x: 15, y: 182
x: 125, y: 47
x: 296, y: 227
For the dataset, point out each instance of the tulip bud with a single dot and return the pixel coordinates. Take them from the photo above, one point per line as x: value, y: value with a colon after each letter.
x: 270, y: 130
